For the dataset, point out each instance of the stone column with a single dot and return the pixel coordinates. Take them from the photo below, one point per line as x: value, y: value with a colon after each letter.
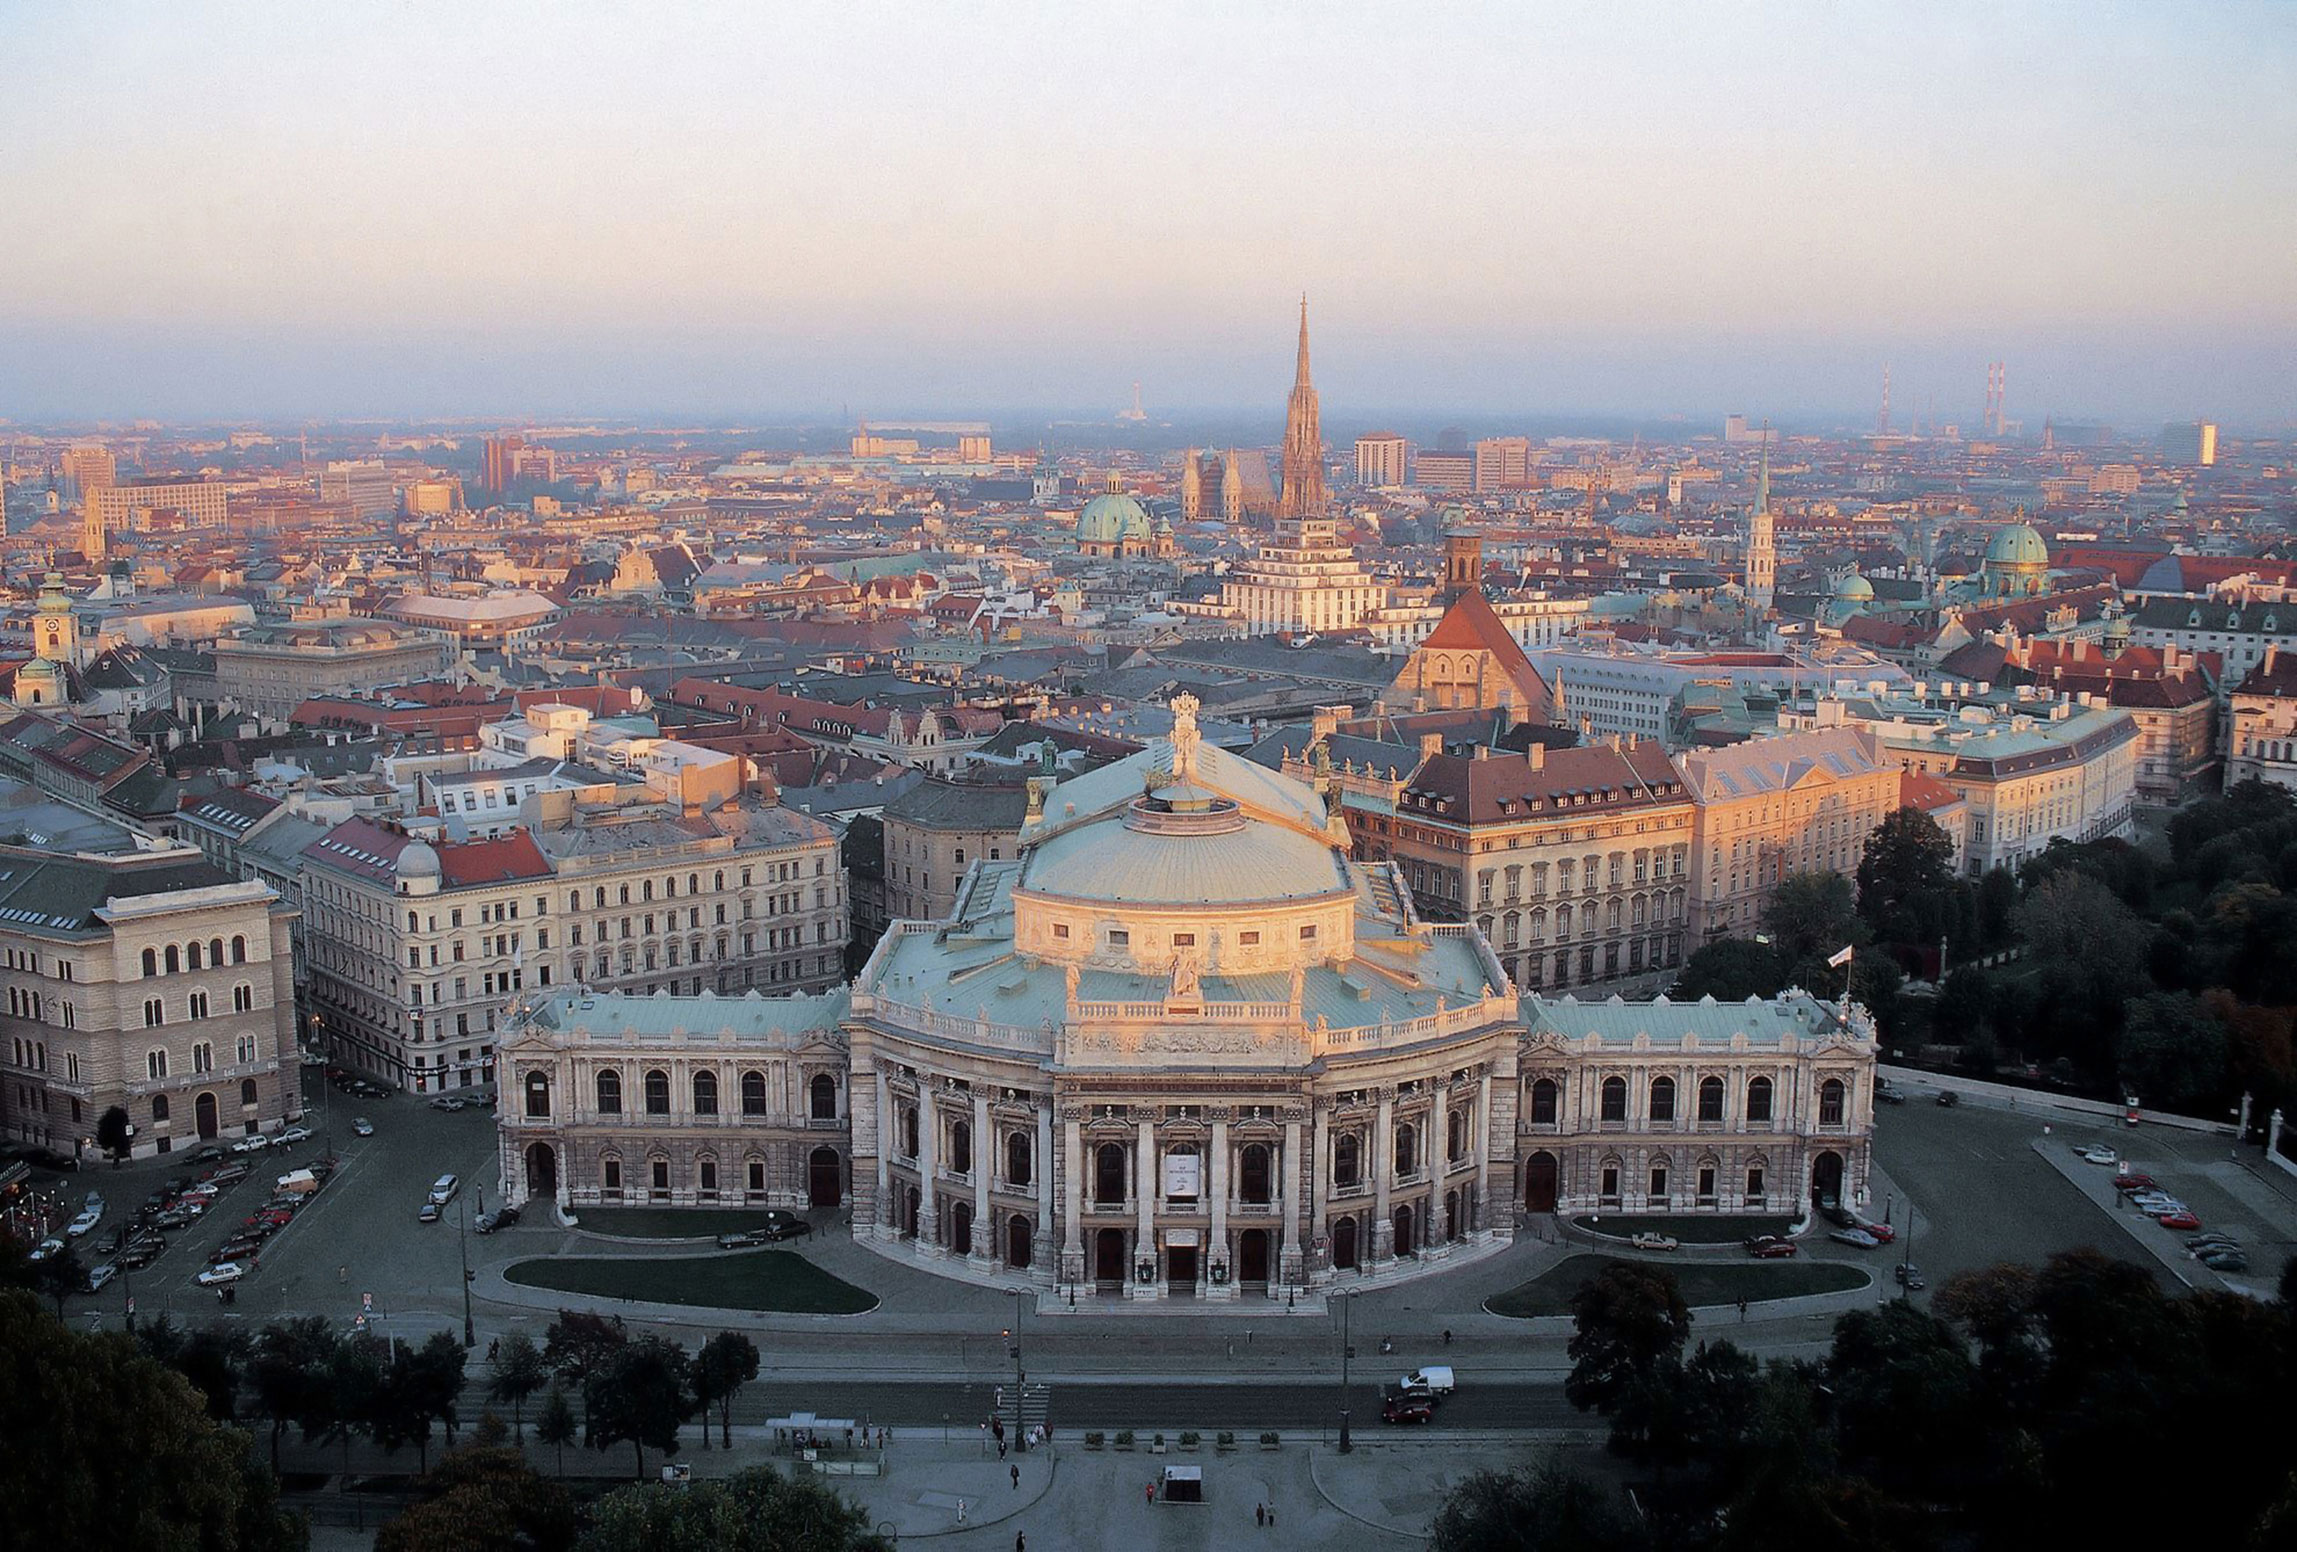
x: 1072, y: 1204
x: 1320, y: 1174
x: 1289, y: 1268
x: 928, y: 1161
x: 1144, y: 1211
x: 1383, y: 1172
x: 1042, y: 1177
x: 1483, y: 1217
x: 1216, y: 1248
x: 985, y: 1245
x: 886, y: 1222
x: 1439, y: 1153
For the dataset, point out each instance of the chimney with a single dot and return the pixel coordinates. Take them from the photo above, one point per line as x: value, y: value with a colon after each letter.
x: 1483, y: 751
x: 2272, y: 651
x: 1538, y: 753
x: 1327, y: 720
x: 1431, y: 744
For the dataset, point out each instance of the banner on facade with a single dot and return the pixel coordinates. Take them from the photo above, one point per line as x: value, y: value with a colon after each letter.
x: 1183, y: 1175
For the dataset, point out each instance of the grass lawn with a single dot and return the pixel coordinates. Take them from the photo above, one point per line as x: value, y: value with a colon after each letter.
x: 669, y: 1222
x: 777, y: 1280
x: 1703, y: 1283
x: 1699, y: 1229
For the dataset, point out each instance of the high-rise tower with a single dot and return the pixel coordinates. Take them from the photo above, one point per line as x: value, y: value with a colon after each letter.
x: 1303, y: 494
x: 1762, y: 547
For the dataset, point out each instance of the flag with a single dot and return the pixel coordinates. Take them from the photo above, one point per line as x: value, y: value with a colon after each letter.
x: 1841, y: 959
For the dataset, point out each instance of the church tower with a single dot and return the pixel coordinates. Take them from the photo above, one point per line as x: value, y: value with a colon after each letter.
x: 1191, y: 488
x: 1762, y: 546
x: 1463, y: 565
x: 1303, y: 494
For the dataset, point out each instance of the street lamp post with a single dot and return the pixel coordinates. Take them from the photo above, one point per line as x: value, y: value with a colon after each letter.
x: 1020, y: 1376
x: 463, y: 1241
x: 1347, y: 1298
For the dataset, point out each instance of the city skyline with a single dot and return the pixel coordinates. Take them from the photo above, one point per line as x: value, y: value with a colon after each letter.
x: 1670, y: 213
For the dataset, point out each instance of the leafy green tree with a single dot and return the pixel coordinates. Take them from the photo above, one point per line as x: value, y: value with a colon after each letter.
x: 61, y: 1275
x: 288, y: 1368
x: 1965, y: 1003
x: 1997, y: 1306
x: 575, y: 1346
x: 348, y: 1394
x: 112, y: 1132
x: 419, y: 1386
x: 726, y: 1363
x: 641, y: 1394
x: 1812, y: 915
x: 213, y: 1359
x: 1905, y: 1394
x: 1997, y: 907
x: 1905, y: 873
x: 108, y: 1448
x: 759, y: 1510
x: 483, y: 1500
x: 1629, y: 1323
x: 1731, y: 970
x: 2171, y: 1052
x: 556, y: 1425
x: 519, y: 1370
x: 1543, y: 1509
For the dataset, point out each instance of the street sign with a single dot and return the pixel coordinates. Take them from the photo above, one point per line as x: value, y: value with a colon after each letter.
x: 367, y: 1303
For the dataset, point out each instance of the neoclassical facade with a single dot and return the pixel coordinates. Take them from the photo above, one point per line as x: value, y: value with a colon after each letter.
x: 1179, y: 1044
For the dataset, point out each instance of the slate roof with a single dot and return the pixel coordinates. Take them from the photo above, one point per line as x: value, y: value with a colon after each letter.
x: 1596, y: 778
x: 43, y: 892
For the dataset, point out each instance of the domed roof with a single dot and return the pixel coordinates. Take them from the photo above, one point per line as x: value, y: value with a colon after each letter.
x: 2018, y: 545
x: 1854, y: 586
x: 1246, y: 862
x: 1112, y: 518
x: 418, y: 860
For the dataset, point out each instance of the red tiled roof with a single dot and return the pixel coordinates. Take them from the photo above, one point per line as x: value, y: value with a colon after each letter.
x: 1596, y: 777
x: 497, y: 861
x: 1920, y: 789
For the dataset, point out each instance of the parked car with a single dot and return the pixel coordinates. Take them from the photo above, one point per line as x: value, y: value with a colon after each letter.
x: 292, y: 1135
x: 1858, y: 1237
x: 138, y: 1254
x: 2135, y: 1180
x: 362, y: 1127
x: 1407, y: 1409
x: 254, y: 1142
x: 85, y: 1223
x: 778, y: 1224
x: 234, y: 1250
x: 114, y: 1238
x: 1650, y: 1241
x: 1948, y: 1099
x: 2181, y: 1219
x: 1882, y: 1232
x: 99, y: 1276
x: 1889, y: 1093
x: 2098, y: 1153
x: 46, y: 1249
x: 444, y: 1188
x: 2213, y: 1237
x: 217, y: 1276
x: 446, y: 1102
x: 1769, y: 1247
x: 427, y: 1213
x: 2226, y: 1261
x: 207, y: 1154
x: 500, y: 1218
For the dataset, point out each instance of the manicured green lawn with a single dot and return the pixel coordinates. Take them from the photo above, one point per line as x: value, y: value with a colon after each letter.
x: 778, y: 1280
x: 1702, y: 1282
x: 669, y: 1222
x: 1697, y: 1229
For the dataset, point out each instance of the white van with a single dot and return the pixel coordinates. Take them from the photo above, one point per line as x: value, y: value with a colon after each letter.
x: 1436, y: 1380
x: 444, y: 1188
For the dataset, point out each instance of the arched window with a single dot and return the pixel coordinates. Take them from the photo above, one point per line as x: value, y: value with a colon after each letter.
x: 1347, y: 1160
x: 1758, y: 1099
x: 1407, y: 1150
x: 239, y: 951
x: 1662, y: 1099
x: 1543, y: 1102
x: 1614, y: 1099
x: 610, y: 1093
x: 657, y: 1092
x: 1710, y: 1099
x: 159, y: 1108
x: 961, y: 1147
x: 215, y: 951
x: 248, y: 1094
x: 1659, y: 1182
x: 1109, y: 1174
x: 822, y: 1096
x: 193, y: 956
x: 1252, y: 1173
x: 753, y: 1093
x: 174, y: 959
x: 705, y: 1093
x: 537, y: 1096
x: 1017, y: 1158
x: 151, y: 961
x: 1830, y: 1102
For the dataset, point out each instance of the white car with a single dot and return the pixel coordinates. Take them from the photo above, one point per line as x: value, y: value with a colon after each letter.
x: 45, y: 1249
x: 253, y: 1143
x: 225, y: 1272
x: 84, y: 1223
x: 100, y: 1276
x: 2098, y: 1153
x: 1650, y: 1241
x: 293, y: 1134
x: 362, y: 1127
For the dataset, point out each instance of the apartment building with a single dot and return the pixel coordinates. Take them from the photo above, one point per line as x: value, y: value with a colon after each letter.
x: 1774, y: 807
x: 152, y: 984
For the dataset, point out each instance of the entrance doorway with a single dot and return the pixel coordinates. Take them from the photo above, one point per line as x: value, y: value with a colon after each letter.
x: 1180, y: 1270
x: 203, y: 1110
x: 825, y: 1178
x: 1109, y: 1260
x: 961, y: 1228
x: 1539, y: 1182
x: 1252, y: 1258
x: 1017, y: 1242
x: 1404, y: 1222
x: 1826, y: 1178
x: 541, y: 1172
x: 1344, y: 1244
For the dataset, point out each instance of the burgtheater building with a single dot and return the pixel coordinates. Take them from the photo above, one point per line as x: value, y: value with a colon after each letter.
x: 1181, y: 1045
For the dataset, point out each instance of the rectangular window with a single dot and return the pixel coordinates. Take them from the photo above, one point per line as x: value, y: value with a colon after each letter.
x: 1060, y: 929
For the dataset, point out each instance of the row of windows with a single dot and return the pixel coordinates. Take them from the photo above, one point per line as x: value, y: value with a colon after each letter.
x: 195, y: 1006
x: 1761, y: 1096
x: 194, y: 954
x: 249, y: 1097
x: 821, y: 1094
x: 202, y: 1058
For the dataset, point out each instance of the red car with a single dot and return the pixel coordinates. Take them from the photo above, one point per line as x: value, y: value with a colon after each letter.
x: 1770, y: 1247
x: 2178, y: 1220
x: 1406, y: 1409
x: 2133, y: 1182
x: 1881, y: 1231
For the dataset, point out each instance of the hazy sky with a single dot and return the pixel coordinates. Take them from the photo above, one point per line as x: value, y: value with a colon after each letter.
x: 741, y: 209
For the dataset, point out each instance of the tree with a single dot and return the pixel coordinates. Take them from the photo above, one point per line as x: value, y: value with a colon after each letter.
x: 1904, y: 874
x: 212, y: 1359
x: 1996, y: 1306
x: 420, y: 1385
x: 519, y: 1371
x: 1731, y: 970
x: 759, y: 1510
x: 1628, y: 1322
x: 1813, y: 915
x: 113, y: 1132
x: 641, y: 1394
x: 482, y: 1500
x: 1964, y: 1004
x: 348, y: 1393
x: 556, y: 1424
x: 1543, y: 1509
x: 108, y: 1448
x: 726, y: 1363
x: 2171, y: 1052
x: 2074, y: 918
x: 61, y: 1275
x: 575, y: 1346
x: 289, y: 1367
x: 1904, y: 1393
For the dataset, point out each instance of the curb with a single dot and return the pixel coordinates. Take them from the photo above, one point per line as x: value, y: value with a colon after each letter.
x: 969, y: 1526
x: 1315, y: 1480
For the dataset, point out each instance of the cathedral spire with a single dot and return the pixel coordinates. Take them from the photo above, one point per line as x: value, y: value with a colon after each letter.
x: 1300, y: 368
x: 1303, y: 494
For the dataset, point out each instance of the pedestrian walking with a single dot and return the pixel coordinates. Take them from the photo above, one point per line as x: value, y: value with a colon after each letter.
x: 1742, y: 1308
x: 960, y: 1511
x: 1272, y: 1516
x: 1000, y: 1449
x: 1232, y: 1349
x: 1151, y: 1491
x: 1016, y: 1477
x: 1020, y: 1541
x: 1260, y: 1515
x: 1447, y: 1336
